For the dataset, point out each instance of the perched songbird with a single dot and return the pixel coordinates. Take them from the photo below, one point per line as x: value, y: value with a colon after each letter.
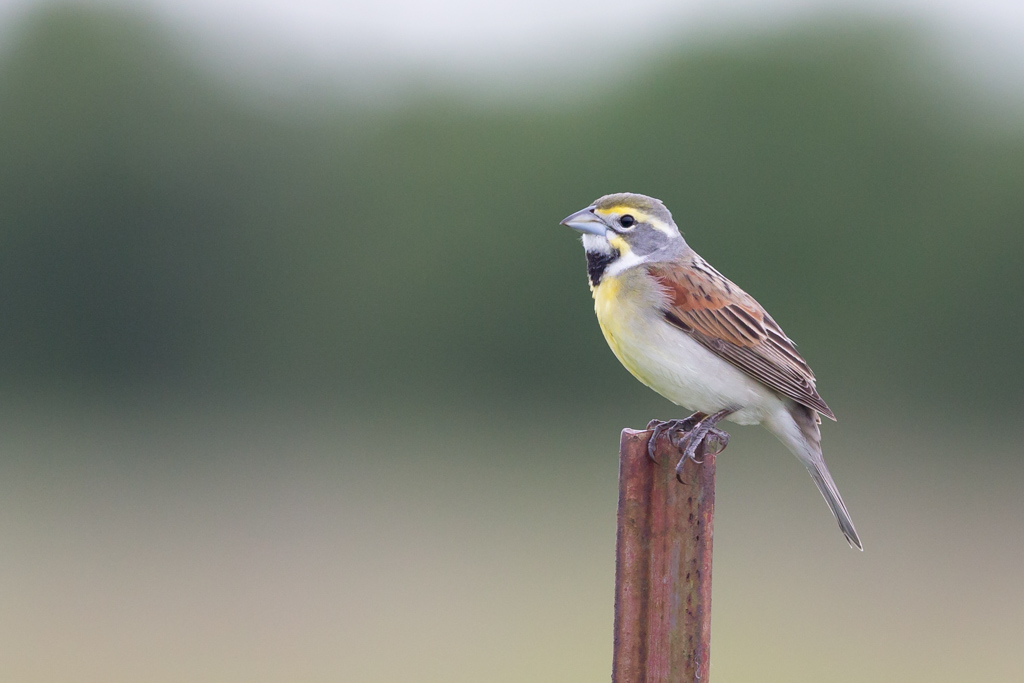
x: 683, y: 329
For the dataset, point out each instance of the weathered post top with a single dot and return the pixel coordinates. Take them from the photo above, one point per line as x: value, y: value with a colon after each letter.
x: 662, y: 564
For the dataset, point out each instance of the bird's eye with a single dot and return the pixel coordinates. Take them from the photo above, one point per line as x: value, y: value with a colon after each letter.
x: 627, y: 221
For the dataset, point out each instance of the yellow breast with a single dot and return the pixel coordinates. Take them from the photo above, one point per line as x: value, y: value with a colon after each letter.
x: 606, y: 297
x: 618, y: 302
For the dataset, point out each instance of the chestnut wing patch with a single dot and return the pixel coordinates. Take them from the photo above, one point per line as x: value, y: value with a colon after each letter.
x: 730, y: 323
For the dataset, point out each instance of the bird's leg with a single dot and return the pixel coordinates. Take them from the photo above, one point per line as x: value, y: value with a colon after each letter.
x: 700, y: 432
x: 671, y: 426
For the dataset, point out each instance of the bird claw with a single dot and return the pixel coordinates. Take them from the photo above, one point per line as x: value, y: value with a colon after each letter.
x: 714, y: 440
x: 689, y: 447
x: 687, y: 435
x: 672, y: 428
x: 657, y: 428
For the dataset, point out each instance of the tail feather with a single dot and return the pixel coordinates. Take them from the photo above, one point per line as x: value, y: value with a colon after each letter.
x: 798, y: 429
x: 820, y: 475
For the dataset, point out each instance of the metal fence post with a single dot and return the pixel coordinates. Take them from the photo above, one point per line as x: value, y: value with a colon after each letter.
x: 662, y: 565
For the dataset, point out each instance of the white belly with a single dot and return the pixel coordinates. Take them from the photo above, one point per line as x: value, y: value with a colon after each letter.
x: 671, y: 362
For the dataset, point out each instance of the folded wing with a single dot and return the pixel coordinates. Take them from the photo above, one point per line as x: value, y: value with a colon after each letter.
x: 702, y: 303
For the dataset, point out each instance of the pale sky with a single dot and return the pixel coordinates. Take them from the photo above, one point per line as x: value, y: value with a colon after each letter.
x: 462, y: 37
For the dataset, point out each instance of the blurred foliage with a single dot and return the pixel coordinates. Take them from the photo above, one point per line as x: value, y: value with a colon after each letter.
x: 160, y: 227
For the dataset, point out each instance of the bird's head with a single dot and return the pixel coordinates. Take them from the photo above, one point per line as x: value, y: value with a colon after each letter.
x: 624, y: 230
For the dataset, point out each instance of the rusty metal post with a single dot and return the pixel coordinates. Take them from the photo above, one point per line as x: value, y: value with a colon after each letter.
x: 662, y: 565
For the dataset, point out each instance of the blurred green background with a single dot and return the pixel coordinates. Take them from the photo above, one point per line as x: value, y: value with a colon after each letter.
x: 309, y: 388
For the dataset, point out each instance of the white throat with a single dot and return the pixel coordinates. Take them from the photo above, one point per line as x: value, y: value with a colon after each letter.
x: 597, y: 243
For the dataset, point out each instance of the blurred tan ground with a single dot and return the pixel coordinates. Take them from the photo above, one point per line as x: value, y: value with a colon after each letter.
x: 461, y: 546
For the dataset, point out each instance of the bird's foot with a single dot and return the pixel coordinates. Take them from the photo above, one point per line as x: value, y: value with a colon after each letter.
x: 714, y: 440
x: 672, y: 427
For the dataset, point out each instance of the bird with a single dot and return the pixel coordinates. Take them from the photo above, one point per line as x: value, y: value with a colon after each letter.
x: 690, y: 334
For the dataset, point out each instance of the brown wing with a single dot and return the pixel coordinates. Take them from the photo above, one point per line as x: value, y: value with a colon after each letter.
x: 725, y: 319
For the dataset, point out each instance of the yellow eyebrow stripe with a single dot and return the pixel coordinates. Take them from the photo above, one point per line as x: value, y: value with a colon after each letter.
x: 622, y: 208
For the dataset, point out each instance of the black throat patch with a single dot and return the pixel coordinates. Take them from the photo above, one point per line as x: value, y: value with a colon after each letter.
x: 597, y: 262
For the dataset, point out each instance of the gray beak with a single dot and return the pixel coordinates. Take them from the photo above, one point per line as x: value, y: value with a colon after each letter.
x: 586, y: 221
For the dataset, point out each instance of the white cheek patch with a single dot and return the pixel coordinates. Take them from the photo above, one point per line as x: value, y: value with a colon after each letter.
x: 597, y: 243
